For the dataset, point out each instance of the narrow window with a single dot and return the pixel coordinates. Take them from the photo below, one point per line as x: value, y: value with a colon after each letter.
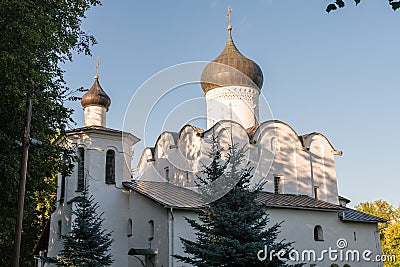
x: 151, y: 230
x: 277, y: 184
x: 316, y: 192
x: 129, y: 232
x: 318, y: 233
x: 62, y: 190
x: 110, y: 167
x: 59, y: 229
x: 81, y: 169
x: 166, y: 173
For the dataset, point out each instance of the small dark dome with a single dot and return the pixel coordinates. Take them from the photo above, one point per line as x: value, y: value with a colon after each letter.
x: 96, y: 96
x: 217, y: 75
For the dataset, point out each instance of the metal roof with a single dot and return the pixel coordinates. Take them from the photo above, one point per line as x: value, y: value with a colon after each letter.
x: 292, y: 201
x: 170, y: 195
x: 166, y: 194
x: 357, y: 216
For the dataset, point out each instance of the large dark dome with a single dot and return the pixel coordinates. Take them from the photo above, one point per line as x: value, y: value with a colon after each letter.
x: 224, y: 74
x: 96, y: 96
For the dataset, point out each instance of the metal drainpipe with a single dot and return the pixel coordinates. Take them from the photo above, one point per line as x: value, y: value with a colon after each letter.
x: 171, y: 236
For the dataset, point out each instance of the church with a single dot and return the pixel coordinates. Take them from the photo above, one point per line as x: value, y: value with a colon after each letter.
x: 147, y: 213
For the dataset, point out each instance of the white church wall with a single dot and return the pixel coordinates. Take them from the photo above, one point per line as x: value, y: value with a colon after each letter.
x: 181, y: 228
x: 60, y: 217
x: 95, y: 116
x: 323, y: 168
x: 236, y: 103
x: 290, y: 162
x: 274, y: 150
x: 143, y: 210
x: 298, y: 225
x: 112, y: 198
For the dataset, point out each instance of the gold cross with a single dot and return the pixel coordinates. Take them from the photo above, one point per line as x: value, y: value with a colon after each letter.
x: 228, y: 15
x: 97, y: 67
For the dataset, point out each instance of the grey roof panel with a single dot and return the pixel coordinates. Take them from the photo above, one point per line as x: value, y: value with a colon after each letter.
x: 358, y: 216
x: 166, y: 194
x: 171, y: 195
x: 295, y: 201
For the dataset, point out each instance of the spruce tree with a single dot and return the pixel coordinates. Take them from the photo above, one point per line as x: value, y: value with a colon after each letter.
x: 231, y: 230
x: 87, y: 245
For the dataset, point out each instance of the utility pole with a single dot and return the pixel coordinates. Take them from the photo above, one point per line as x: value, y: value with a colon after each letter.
x: 22, y: 183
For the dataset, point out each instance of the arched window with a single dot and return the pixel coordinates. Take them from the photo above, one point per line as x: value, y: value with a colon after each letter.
x: 318, y: 233
x: 129, y: 229
x: 110, y: 167
x: 81, y: 169
x: 151, y: 230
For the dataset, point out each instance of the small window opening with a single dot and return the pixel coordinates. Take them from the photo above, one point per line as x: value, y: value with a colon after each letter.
x: 129, y: 230
x: 81, y: 169
x: 166, y: 173
x: 110, y: 167
x: 318, y: 233
x: 316, y: 192
x: 277, y: 185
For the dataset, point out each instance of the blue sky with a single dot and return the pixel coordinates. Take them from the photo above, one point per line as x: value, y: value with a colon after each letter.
x: 336, y: 73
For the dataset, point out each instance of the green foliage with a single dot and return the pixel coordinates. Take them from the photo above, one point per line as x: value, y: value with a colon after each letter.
x: 340, y: 4
x: 379, y: 208
x: 334, y: 265
x: 36, y: 36
x: 390, y: 236
x: 87, y: 245
x: 233, y: 228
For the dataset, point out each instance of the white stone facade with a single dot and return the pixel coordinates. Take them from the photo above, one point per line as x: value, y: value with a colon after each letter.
x: 95, y: 116
x: 236, y: 103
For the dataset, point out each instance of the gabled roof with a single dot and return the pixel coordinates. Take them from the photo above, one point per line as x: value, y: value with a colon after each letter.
x: 170, y: 195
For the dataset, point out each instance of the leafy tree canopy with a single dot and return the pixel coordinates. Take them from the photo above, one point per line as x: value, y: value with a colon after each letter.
x: 390, y: 234
x: 341, y: 3
x: 36, y: 37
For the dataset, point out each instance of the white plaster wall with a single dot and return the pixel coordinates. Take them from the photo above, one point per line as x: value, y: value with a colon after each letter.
x: 141, y: 211
x: 281, y: 144
x: 237, y: 103
x: 323, y: 168
x: 112, y: 198
x: 298, y: 226
x: 95, y: 116
x: 181, y: 228
x: 274, y: 150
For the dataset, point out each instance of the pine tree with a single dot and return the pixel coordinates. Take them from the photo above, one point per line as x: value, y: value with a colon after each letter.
x: 232, y: 229
x: 88, y: 244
